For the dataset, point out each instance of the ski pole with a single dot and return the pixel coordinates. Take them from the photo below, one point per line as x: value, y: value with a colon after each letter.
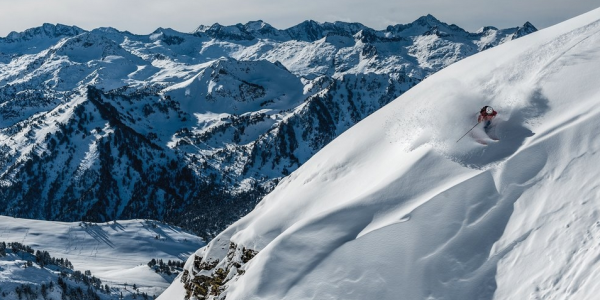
x: 467, y: 132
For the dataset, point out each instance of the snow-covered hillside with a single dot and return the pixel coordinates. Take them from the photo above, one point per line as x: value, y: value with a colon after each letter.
x: 118, y: 253
x: 194, y: 128
x: 396, y: 208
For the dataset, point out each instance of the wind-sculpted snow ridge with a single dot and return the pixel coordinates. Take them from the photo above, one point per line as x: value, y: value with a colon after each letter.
x: 194, y: 128
x: 396, y: 208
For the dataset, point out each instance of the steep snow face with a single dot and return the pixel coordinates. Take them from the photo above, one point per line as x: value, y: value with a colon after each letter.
x: 396, y: 208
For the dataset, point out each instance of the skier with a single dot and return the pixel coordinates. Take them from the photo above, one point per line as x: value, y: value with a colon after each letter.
x: 486, y: 114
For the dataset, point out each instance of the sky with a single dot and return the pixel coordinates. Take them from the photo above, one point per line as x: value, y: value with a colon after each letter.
x: 144, y: 16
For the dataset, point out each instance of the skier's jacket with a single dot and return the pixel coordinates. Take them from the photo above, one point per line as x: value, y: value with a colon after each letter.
x: 484, y: 116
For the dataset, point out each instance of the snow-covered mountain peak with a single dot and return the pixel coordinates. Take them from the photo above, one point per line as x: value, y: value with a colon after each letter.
x: 308, y: 30
x: 424, y: 25
x: 350, y: 27
x: 311, y: 30
x: 486, y: 29
x: 259, y: 26
x: 37, y: 39
x: 231, y: 86
x: 233, y: 32
x: 526, y: 29
x: 201, y: 28
x: 428, y: 20
x: 47, y: 30
x: 109, y: 30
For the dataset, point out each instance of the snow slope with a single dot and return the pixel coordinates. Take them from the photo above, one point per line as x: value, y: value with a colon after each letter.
x: 395, y: 208
x: 116, y: 252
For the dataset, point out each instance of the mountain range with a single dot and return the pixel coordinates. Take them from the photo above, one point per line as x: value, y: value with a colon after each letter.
x: 195, y: 128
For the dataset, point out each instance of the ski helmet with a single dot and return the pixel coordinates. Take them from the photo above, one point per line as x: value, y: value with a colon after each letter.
x: 489, y: 110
